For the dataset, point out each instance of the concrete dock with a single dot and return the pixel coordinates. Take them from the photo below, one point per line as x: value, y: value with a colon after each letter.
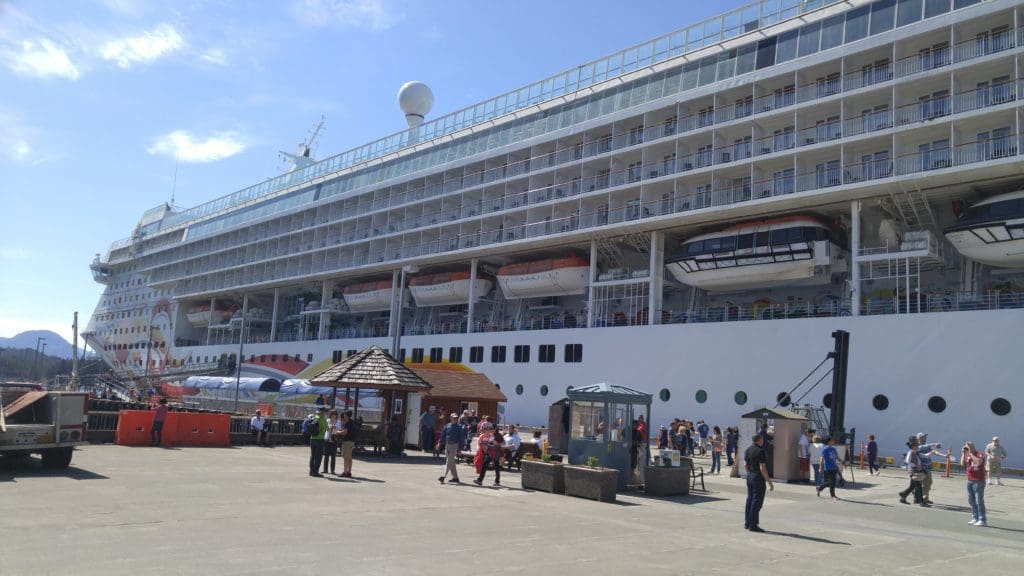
x: 254, y: 510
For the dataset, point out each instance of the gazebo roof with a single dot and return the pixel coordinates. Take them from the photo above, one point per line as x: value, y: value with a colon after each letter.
x: 371, y: 368
x: 605, y: 392
x: 774, y: 413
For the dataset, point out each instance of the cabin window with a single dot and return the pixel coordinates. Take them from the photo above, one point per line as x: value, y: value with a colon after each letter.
x: 522, y: 353
x: 476, y: 354
x: 417, y: 355
x: 309, y: 358
x: 436, y: 355
x: 546, y: 353
x: 298, y: 358
x: 497, y: 354
x: 455, y: 354
x: 701, y: 396
x: 574, y: 353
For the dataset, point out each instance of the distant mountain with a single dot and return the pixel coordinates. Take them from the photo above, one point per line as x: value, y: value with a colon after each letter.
x: 55, y: 344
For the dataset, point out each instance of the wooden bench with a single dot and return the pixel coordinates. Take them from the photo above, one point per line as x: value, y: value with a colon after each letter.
x: 516, y: 459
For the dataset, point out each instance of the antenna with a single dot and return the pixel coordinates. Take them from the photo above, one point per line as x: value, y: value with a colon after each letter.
x: 174, y: 182
x: 304, y: 156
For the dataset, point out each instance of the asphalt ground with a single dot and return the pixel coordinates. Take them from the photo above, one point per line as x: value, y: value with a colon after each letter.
x: 252, y: 510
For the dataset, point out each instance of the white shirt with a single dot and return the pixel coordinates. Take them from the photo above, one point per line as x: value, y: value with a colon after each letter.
x: 332, y: 427
x: 257, y: 423
x: 512, y: 441
x: 803, y: 447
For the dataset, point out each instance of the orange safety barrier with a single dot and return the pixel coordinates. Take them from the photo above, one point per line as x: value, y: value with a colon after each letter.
x: 861, y: 455
x: 180, y: 429
x: 266, y: 409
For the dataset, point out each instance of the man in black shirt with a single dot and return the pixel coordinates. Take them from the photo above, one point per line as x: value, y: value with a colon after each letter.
x: 756, y: 461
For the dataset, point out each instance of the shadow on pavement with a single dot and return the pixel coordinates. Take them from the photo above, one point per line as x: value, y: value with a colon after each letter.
x: 803, y: 537
x: 13, y: 468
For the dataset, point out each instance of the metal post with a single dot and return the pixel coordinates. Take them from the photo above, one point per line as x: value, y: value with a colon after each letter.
x: 590, y: 283
x: 74, y: 355
x: 241, y: 348
x: 396, y: 337
x: 35, y: 364
x: 392, y: 330
x: 655, y: 269
x: 471, y: 313
x: 854, y: 258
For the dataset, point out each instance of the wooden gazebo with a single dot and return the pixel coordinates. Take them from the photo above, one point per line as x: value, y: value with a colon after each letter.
x: 372, y: 369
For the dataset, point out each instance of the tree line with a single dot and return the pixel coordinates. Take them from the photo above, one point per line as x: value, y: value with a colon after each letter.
x: 22, y: 365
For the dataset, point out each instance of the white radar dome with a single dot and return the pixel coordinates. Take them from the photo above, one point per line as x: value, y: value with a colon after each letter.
x: 416, y: 100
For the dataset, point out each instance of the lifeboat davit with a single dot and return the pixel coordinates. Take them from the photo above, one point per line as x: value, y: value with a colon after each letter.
x: 788, y: 251
x: 447, y: 289
x: 368, y: 297
x: 992, y: 231
x: 552, y: 277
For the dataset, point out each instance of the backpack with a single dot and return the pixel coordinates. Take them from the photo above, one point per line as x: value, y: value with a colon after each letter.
x: 309, y: 426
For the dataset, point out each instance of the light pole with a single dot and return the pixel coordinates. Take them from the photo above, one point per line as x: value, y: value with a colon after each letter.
x: 35, y: 365
x: 241, y: 347
x: 396, y: 337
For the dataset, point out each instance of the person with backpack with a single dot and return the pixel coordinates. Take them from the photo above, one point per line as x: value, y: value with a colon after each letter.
x: 316, y: 428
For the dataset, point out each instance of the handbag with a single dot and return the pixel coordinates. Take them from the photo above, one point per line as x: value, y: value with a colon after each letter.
x: 919, y: 476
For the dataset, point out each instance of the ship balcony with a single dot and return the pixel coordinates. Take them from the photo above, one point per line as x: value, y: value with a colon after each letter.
x: 101, y: 271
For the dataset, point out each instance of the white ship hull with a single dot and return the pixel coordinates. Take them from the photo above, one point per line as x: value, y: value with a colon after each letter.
x: 450, y: 293
x: 557, y: 282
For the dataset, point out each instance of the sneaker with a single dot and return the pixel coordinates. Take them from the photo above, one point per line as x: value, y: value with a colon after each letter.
x: 455, y: 481
x: 973, y: 522
x: 818, y: 490
x: 925, y: 505
x: 903, y: 500
x: 497, y: 484
x: 440, y: 479
x: 478, y: 482
x: 981, y: 523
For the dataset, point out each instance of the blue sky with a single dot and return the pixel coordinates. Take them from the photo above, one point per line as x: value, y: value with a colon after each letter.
x: 98, y: 97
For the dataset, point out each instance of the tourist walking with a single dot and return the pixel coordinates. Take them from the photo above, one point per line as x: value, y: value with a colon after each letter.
x: 702, y: 431
x: 829, y: 467
x: 803, y: 455
x: 156, y: 431
x: 916, y: 473
x: 490, y: 446
x: 926, y: 451
x: 872, y: 455
x: 453, y: 436
x: 756, y: 461
x: 349, y: 435
x: 973, y: 461
x: 427, y: 429
x: 317, y: 428
x: 814, y: 456
x: 716, y: 450
x: 995, y: 453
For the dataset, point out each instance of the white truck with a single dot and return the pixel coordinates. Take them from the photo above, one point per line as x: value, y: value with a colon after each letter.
x: 38, y: 421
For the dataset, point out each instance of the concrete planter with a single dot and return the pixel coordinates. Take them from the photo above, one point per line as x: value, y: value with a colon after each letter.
x: 594, y: 483
x: 662, y: 481
x: 546, y: 476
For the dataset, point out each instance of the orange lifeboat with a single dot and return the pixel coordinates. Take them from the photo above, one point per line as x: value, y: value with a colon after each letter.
x: 448, y: 288
x: 540, y: 278
x: 368, y: 296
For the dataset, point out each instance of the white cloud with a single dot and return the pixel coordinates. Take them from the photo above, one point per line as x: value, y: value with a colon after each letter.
x: 42, y: 58
x: 13, y: 253
x: 16, y: 139
x: 375, y: 15
x: 186, y: 147
x: 214, y: 56
x: 144, y: 48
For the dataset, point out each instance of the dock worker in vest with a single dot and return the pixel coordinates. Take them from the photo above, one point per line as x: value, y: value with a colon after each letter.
x: 316, y: 441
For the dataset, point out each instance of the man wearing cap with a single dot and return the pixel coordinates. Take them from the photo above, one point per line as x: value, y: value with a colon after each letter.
x: 453, y: 436
x: 995, y: 454
x: 925, y: 451
x: 427, y: 429
x: 316, y: 441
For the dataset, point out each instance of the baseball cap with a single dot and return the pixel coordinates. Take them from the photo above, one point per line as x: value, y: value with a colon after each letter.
x: 921, y: 435
x: 454, y: 415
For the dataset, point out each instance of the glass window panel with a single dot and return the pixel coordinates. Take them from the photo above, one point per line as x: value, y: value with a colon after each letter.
x: 707, y: 70
x: 656, y: 87
x: 766, y: 52
x: 957, y: 4
x: 645, y: 54
x: 745, y: 58
x: 586, y: 76
x: 731, y: 25
x: 750, y: 20
x: 726, y: 64
x: 690, y: 71
x: 712, y: 31
x: 770, y: 10
x: 832, y: 32
x: 600, y: 71
x: 572, y: 80
x: 882, y: 14
x: 908, y: 12
x: 857, y: 23
x: 810, y: 38
x: 935, y: 7
x: 790, y: 8
x: 786, y: 49
x: 694, y: 37
x: 672, y: 78
x: 558, y: 88
x: 661, y: 49
x: 629, y: 60
x: 614, y: 65
x: 638, y: 95
x: 677, y: 44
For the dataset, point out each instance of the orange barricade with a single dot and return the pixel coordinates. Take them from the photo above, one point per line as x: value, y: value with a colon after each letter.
x: 180, y: 429
x: 266, y: 409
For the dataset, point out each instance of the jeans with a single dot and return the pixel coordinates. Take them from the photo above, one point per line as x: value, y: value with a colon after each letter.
x: 872, y: 465
x: 497, y: 469
x: 716, y: 461
x: 817, y: 474
x: 728, y: 455
x: 976, y: 498
x: 330, y: 456
x: 316, y: 454
x: 427, y: 438
x: 755, y: 499
x: 914, y: 487
x: 830, y: 479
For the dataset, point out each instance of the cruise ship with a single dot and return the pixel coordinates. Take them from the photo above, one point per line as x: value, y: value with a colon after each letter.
x: 692, y: 216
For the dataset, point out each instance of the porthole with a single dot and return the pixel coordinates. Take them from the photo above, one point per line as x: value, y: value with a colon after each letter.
x: 826, y: 400
x: 740, y: 398
x: 519, y: 389
x: 664, y: 394
x: 783, y: 399
x: 701, y: 396
x: 544, y: 390
x: 880, y: 402
x: 937, y: 404
x: 1001, y: 406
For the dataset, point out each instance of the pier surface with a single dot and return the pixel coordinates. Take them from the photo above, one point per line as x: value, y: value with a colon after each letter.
x: 253, y: 510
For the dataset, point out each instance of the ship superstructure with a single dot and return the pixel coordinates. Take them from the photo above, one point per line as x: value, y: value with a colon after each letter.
x: 790, y: 161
